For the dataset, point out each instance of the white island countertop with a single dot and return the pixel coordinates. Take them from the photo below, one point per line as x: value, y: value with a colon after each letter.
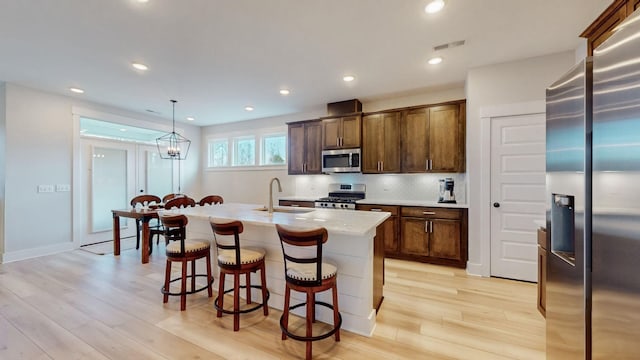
x: 334, y: 220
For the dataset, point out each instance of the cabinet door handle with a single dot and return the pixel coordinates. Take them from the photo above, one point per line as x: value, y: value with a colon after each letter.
x: 341, y: 142
x: 428, y: 213
x: 375, y: 209
x: 426, y: 226
x: 431, y: 226
x: 430, y: 164
x: 426, y: 164
x: 304, y: 167
x: 381, y: 166
x: 338, y: 142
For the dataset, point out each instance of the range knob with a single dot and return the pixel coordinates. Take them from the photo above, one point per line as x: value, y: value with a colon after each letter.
x: 334, y: 205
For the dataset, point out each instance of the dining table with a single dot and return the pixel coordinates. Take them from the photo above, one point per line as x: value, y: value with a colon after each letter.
x: 144, y: 215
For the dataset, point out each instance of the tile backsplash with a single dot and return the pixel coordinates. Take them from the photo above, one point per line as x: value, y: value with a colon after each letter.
x: 384, y: 186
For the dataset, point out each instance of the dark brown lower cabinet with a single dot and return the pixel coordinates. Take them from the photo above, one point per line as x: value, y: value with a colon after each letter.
x: 297, y: 203
x: 434, y: 235
x: 389, y: 227
x: 542, y: 271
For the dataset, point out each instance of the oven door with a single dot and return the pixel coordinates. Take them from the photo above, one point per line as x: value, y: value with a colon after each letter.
x: 342, y: 160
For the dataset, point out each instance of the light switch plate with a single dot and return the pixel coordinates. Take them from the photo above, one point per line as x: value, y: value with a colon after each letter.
x: 63, y: 187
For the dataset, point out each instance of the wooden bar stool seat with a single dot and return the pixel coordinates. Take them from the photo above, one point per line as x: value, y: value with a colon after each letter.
x: 235, y: 260
x: 307, y: 273
x: 184, y: 251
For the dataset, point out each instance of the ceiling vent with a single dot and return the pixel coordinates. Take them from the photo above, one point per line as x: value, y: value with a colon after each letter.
x: 449, y: 45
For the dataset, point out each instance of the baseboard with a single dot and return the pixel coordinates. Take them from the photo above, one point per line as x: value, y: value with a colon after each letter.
x: 476, y: 269
x: 8, y: 257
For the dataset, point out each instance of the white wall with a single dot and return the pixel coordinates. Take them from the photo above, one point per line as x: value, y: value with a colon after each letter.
x: 3, y: 148
x: 494, y: 85
x: 252, y: 186
x: 39, y: 150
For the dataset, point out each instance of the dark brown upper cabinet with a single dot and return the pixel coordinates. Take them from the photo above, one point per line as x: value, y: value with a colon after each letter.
x: 341, y: 132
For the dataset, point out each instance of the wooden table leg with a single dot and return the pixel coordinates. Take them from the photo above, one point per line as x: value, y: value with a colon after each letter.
x: 144, y: 249
x: 116, y: 234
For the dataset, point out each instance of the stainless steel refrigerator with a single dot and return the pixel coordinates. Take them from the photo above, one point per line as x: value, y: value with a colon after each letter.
x: 593, y: 209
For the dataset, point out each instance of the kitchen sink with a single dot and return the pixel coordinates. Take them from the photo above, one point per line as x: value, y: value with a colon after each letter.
x: 291, y: 210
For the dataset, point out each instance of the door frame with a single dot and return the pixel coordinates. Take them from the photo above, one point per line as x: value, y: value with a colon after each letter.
x: 488, y: 113
x: 76, y: 177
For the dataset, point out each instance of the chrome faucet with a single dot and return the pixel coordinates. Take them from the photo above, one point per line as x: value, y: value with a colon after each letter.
x: 270, y: 208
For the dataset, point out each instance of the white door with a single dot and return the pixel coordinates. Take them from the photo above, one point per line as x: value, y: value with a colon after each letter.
x: 155, y: 175
x: 108, y: 182
x: 115, y: 172
x: 517, y: 194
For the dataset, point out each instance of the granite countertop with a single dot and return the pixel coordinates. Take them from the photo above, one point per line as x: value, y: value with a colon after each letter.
x: 334, y: 220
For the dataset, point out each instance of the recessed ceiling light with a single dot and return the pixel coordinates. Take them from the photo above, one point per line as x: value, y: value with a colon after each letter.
x: 76, y: 90
x: 348, y: 78
x: 123, y: 129
x: 434, y: 6
x: 140, y: 66
x: 284, y: 92
x: 143, y: 1
x: 248, y: 108
x: 435, y: 60
x: 190, y: 118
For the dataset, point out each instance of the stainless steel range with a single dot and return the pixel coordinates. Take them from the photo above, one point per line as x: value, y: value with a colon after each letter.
x: 342, y: 196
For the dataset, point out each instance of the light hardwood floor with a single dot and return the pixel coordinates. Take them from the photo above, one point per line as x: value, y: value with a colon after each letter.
x: 78, y: 305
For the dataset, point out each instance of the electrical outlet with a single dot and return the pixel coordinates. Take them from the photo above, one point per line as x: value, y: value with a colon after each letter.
x: 63, y: 187
x: 45, y: 188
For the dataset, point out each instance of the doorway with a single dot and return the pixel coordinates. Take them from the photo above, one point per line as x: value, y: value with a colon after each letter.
x: 113, y: 172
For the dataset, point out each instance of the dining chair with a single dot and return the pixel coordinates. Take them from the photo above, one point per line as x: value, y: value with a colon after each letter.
x: 211, y: 200
x: 171, y: 196
x: 179, y: 202
x: 155, y: 227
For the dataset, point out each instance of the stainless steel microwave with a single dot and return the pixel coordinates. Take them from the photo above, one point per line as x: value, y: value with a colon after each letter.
x: 341, y: 160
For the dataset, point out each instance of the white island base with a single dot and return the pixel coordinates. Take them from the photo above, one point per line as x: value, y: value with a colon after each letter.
x: 350, y: 247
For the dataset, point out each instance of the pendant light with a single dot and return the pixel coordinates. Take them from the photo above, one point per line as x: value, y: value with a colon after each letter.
x: 173, y: 146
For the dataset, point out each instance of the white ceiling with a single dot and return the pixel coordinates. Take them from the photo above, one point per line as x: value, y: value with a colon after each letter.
x: 216, y: 56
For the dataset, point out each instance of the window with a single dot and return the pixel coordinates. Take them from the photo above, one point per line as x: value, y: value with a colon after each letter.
x: 219, y: 153
x: 255, y: 149
x: 274, y: 149
x: 244, y: 151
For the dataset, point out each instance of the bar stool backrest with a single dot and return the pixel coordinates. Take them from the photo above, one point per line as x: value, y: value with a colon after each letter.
x: 221, y: 229
x: 175, y: 228
x: 292, y: 240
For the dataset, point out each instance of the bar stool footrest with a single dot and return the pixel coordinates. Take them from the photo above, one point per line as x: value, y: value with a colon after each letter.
x: 192, y: 291
x: 329, y: 333
x: 243, y: 311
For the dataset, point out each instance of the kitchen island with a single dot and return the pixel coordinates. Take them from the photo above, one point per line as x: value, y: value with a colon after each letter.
x: 351, y: 247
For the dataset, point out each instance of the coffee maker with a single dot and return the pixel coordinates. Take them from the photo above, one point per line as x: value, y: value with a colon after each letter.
x: 446, y: 191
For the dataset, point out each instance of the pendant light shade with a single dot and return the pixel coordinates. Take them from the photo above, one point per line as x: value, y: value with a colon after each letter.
x: 173, y: 146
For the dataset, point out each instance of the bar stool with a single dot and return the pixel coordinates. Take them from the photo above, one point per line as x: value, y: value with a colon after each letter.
x: 308, y: 274
x: 184, y: 251
x: 235, y: 260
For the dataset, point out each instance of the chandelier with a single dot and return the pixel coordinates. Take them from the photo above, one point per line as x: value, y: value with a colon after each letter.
x: 173, y: 146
